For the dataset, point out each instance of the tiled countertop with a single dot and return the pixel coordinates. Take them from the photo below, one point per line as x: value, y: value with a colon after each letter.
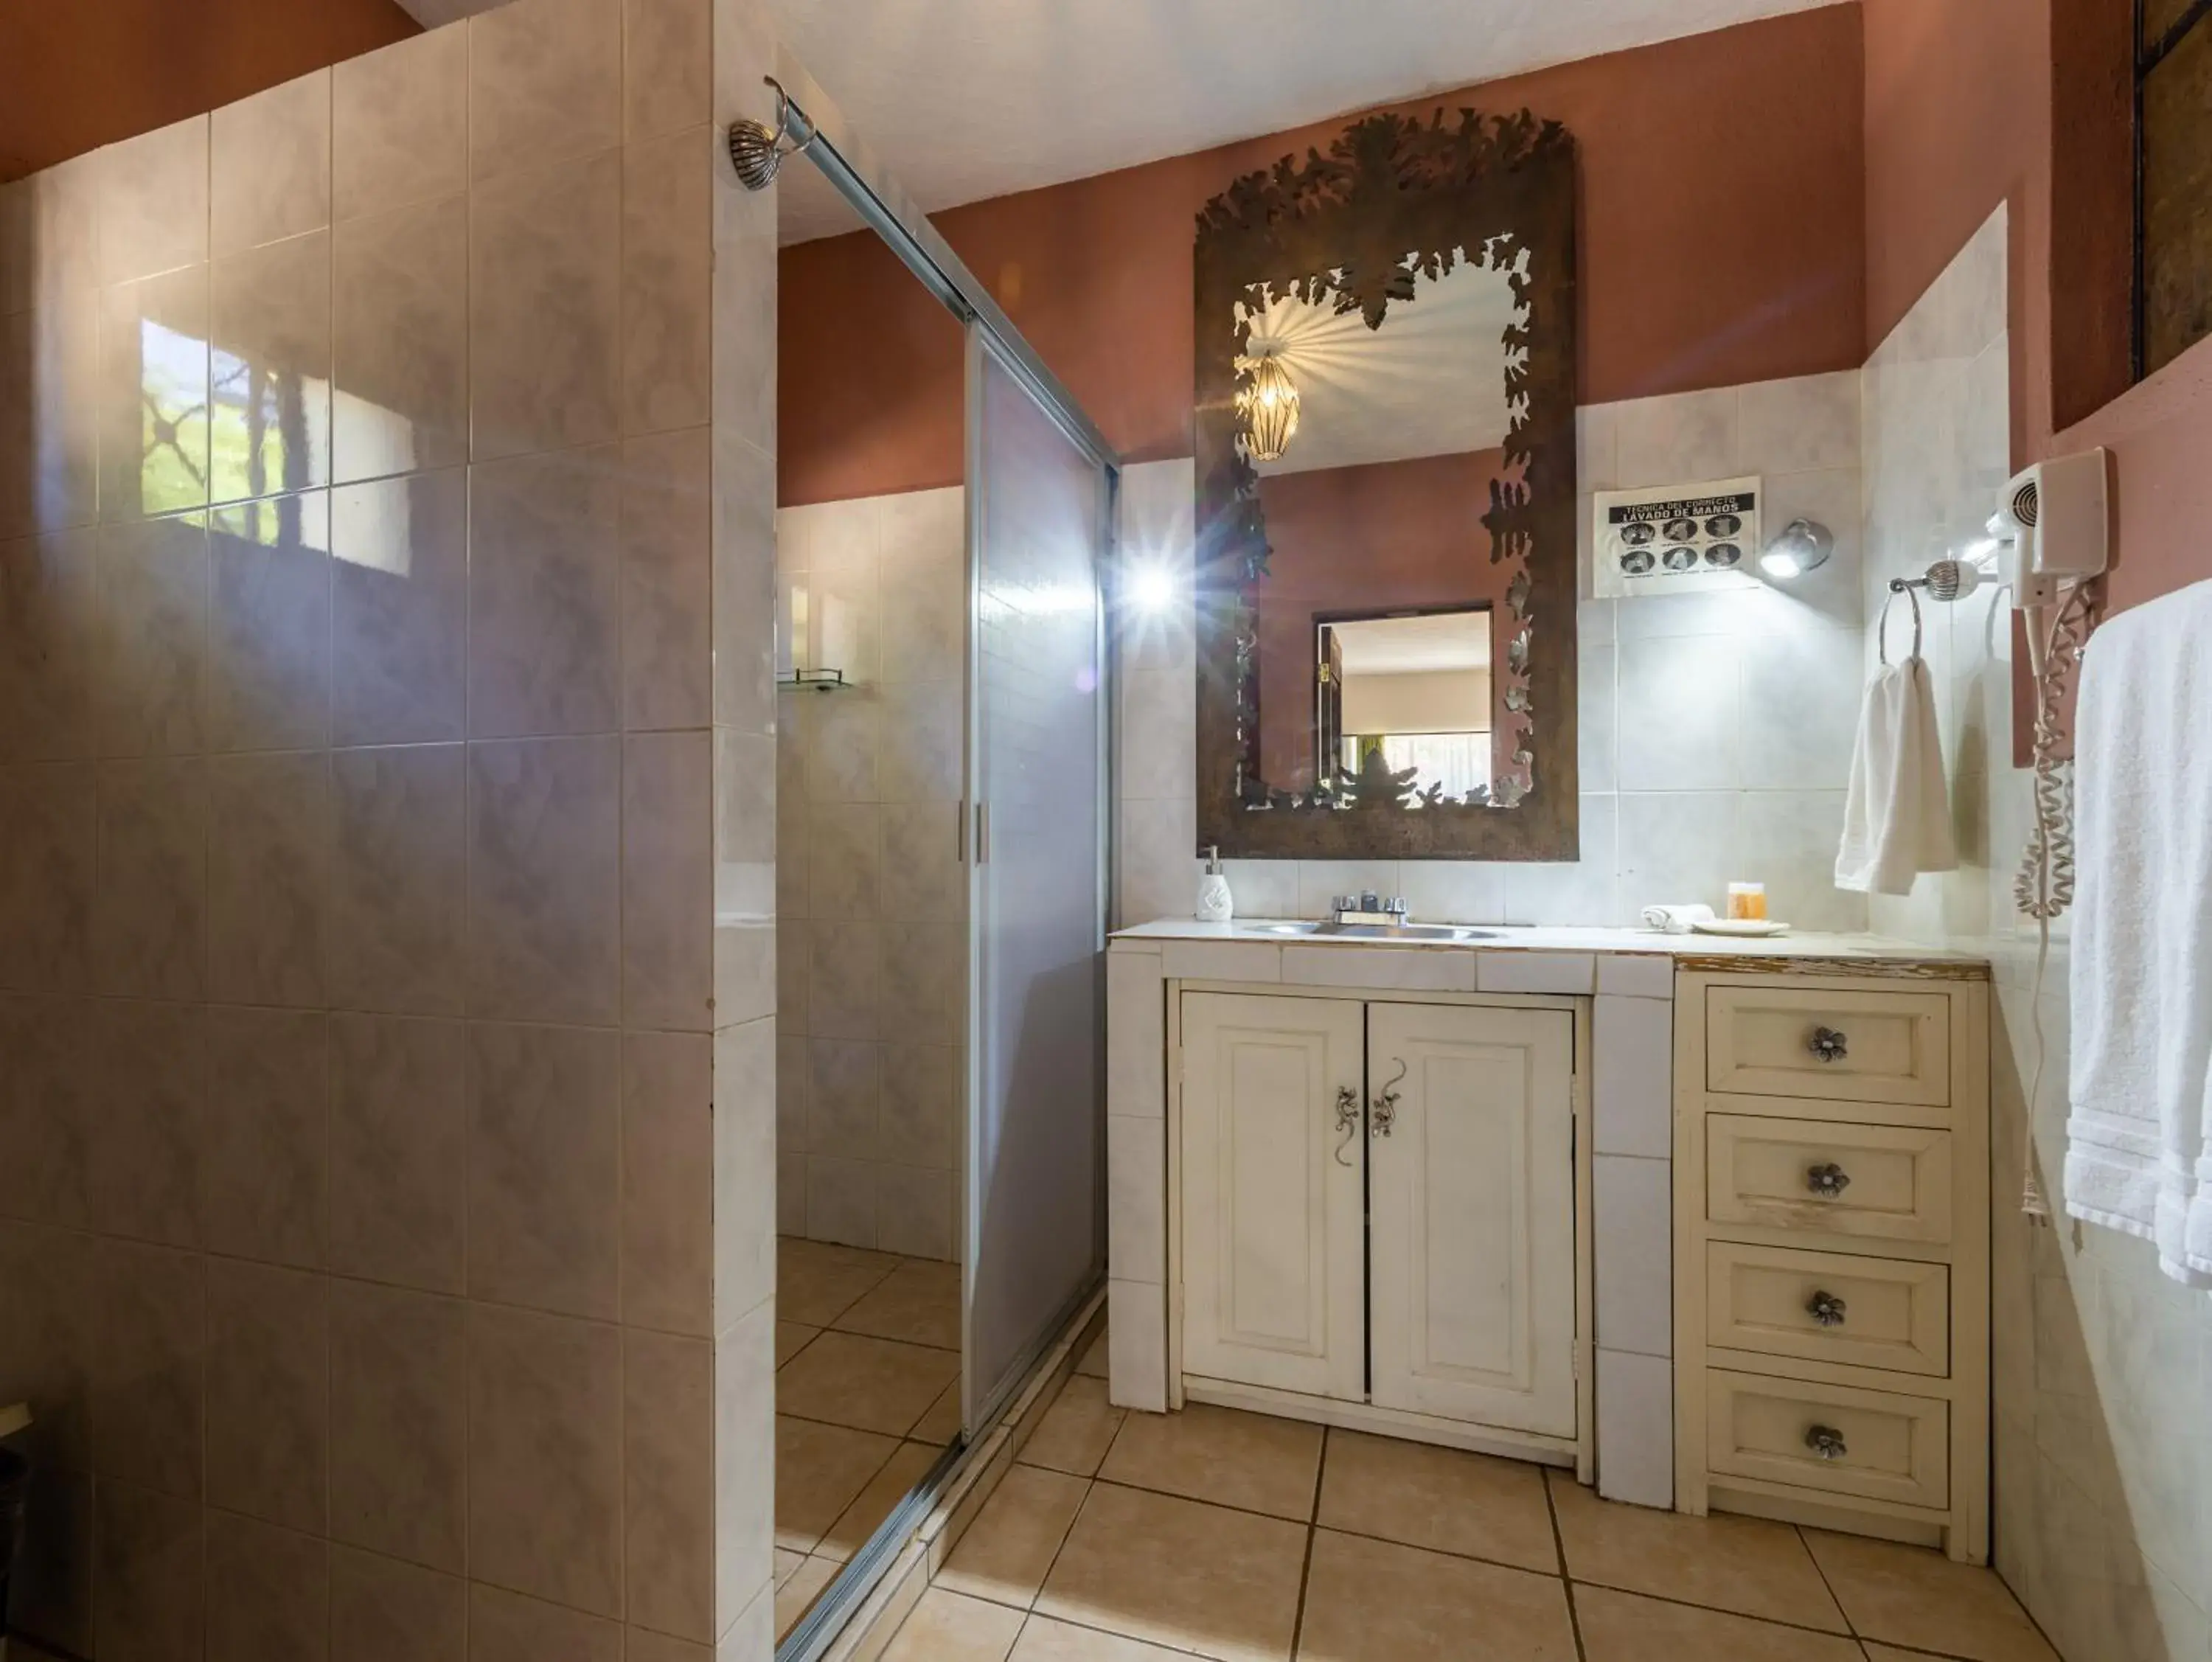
x: 1804, y: 953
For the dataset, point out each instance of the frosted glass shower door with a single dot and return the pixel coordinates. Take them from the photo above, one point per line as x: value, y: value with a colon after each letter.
x: 1039, y: 505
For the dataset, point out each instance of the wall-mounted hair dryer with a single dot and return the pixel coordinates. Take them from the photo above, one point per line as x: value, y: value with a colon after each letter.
x: 2053, y: 527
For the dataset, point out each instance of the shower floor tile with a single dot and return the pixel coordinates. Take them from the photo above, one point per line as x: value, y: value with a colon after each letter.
x: 816, y: 1283
x: 871, y: 1385
x: 918, y: 1303
x: 867, y: 1397
x: 820, y: 1470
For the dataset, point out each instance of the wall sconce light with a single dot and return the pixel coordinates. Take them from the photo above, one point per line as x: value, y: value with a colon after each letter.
x: 1270, y: 408
x: 1801, y: 546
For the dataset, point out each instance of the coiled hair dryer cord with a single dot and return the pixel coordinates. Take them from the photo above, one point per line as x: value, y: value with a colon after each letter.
x: 2043, y: 887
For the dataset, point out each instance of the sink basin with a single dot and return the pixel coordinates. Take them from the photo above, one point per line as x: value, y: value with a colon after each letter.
x: 1329, y: 931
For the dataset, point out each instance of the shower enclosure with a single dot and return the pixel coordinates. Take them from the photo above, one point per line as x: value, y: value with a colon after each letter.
x: 1038, y: 494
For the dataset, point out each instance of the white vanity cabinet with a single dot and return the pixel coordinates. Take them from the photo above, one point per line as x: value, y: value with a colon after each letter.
x: 1378, y: 1207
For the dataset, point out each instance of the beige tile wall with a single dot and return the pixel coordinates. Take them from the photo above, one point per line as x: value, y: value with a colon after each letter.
x: 1715, y: 730
x: 2101, y: 1364
x: 873, y: 897
x: 384, y: 1117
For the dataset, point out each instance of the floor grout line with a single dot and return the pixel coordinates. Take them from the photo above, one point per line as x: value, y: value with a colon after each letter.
x: 1559, y: 1546
x: 1313, y: 1530
x: 1245, y: 1511
x: 1834, y: 1598
x: 1716, y: 1609
x: 1066, y: 1534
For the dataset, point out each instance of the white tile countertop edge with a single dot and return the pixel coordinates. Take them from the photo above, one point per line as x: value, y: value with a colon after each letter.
x: 1508, y: 938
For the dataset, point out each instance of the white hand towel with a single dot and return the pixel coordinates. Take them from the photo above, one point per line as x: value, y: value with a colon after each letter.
x: 2140, y: 1124
x: 1897, y: 816
x: 1678, y: 919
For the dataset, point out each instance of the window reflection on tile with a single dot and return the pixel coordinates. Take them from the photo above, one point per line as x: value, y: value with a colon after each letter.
x: 401, y: 341
x: 154, y: 414
x: 270, y: 425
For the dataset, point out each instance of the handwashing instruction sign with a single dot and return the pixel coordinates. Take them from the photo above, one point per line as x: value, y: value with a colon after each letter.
x: 1670, y: 540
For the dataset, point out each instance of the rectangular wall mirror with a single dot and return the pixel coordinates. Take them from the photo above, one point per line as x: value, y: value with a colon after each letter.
x: 1386, y: 489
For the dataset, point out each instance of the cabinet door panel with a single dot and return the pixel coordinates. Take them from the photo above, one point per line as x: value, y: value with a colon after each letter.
x: 1273, y: 1254
x: 1471, y: 1289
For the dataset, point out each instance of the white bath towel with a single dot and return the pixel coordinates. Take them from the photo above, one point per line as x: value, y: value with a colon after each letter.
x: 2139, y: 1137
x: 1897, y: 817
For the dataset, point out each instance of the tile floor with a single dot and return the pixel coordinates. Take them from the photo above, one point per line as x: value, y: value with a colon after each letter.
x: 867, y: 1386
x: 1149, y: 1538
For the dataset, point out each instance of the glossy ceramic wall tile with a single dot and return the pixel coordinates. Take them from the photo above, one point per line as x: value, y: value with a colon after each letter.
x: 269, y: 165
x: 399, y: 124
x: 877, y: 901
x: 399, y: 342
x: 545, y: 307
x: 386, y: 1127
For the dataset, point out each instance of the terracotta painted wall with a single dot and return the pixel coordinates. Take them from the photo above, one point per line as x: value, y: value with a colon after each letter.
x: 1413, y: 530
x: 79, y: 74
x: 1763, y: 143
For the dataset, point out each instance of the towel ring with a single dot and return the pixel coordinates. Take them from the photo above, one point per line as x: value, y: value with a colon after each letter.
x: 1882, y: 625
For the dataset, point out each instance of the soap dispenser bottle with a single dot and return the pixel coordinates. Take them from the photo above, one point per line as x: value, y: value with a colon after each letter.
x: 1214, y: 905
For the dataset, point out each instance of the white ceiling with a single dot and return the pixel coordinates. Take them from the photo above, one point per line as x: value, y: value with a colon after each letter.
x: 966, y: 99
x: 970, y: 99
x: 1429, y: 382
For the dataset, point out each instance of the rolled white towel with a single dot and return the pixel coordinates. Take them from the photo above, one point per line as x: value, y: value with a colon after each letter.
x: 1677, y: 919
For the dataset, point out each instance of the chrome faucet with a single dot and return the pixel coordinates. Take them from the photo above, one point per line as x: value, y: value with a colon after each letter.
x: 1372, y: 908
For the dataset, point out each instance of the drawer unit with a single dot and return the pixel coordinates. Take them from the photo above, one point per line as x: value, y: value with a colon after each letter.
x: 1829, y: 1177
x: 1862, y: 1047
x: 1832, y: 1247
x: 1829, y: 1307
x: 1830, y: 1440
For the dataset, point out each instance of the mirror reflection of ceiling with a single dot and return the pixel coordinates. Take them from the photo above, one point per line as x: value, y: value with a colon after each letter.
x: 1428, y: 645
x: 1429, y: 382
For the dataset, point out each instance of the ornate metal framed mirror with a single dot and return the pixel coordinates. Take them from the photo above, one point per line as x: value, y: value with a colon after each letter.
x: 1386, y: 497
